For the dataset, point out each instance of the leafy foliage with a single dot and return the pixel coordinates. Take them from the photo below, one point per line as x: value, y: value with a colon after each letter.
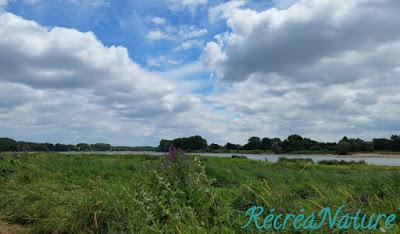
x: 184, y: 143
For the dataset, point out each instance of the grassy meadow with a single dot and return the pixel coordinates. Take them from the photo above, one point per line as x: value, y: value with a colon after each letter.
x: 53, y: 193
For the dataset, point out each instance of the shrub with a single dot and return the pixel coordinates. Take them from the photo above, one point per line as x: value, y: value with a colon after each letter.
x: 295, y: 160
x: 341, y: 162
x: 239, y: 156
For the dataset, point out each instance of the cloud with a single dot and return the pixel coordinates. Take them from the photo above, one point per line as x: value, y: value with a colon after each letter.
x: 284, y: 4
x: 322, y: 69
x: 90, y: 3
x: 184, y: 70
x: 60, y: 80
x: 80, y: 3
x: 306, y: 34
x: 158, y: 20
x: 3, y: 3
x: 161, y: 61
x: 180, y: 33
x: 187, y: 45
x: 186, y: 37
x: 277, y: 108
x: 156, y: 35
x: 318, y: 68
x: 224, y: 10
x: 31, y: 2
x: 191, y: 5
x: 188, y: 32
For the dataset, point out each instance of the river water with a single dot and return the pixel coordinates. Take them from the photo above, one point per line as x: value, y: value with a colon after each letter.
x: 369, y: 159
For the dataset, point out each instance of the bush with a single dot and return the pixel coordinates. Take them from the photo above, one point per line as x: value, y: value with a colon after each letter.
x: 239, y: 156
x: 295, y: 160
x: 341, y: 162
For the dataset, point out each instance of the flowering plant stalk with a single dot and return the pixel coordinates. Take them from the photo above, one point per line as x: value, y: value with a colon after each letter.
x: 172, y: 151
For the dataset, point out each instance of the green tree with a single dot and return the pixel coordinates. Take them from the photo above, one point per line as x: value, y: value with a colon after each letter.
x: 395, y: 142
x: 83, y: 147
x: 230, y: 146
x: 185, y: 143
x: 60, y: 147
x: 253, y: 143
x: 214, y: 146
x: 100, y: 147
x: 293, y: 143
x: 164, y: 145
x: 266, y: 143
x: 7, y: 144
x: 382, y: 144
x: 343, y: 147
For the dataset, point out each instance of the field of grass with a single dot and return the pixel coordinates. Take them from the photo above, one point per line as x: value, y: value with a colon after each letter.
x: 53, y: 193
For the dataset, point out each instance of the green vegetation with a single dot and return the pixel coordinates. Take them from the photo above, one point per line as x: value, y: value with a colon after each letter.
x: 341, y: 162
x: 184, y: 143
x: 239, y: 156
x: 10, y: 145
x: 294, y: 144
x: 54, y: 193
x: 296, y: 160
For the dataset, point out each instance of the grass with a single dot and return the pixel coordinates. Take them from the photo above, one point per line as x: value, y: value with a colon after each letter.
x: 53, y: 193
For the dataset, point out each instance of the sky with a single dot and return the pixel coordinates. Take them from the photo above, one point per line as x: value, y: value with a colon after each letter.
x: 132, y: 72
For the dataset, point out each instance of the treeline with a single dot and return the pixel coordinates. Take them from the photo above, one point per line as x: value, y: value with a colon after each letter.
x: 292, y: 144
x: 7, y: 144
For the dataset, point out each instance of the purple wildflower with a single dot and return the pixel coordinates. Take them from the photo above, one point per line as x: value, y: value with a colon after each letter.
x: 171, y: 153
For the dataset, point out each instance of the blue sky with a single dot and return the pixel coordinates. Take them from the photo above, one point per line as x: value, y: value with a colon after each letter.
x: 133, y: 71
x: 125, y: 23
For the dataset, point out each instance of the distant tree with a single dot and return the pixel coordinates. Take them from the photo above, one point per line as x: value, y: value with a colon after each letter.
x: 309, y: 144
x: 72, y: 148
x: 276, y: 147
x: 395, y: 142
x: 214, y: 146
x: 48, y: 147
x: 7, y: 144
x: 29, y: 146
x: 100, y: 147
x: 60, y: 147
x: 347, y: 145
x: 343, y: 147
x: 164, y: 145
x: 366, y: 146
x: 230, y: 146
x: 253, y: 143
x: 298, y: 143
x: 83, y: 147
x: 197, y: 143
x: 24, y: 146
x: 382, y: 144
x: 330, y: 146
x: 184, y: 143
x: 266, y: 144
x: 292, y: 143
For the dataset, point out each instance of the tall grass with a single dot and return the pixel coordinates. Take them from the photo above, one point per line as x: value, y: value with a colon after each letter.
x: 52, y: 193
